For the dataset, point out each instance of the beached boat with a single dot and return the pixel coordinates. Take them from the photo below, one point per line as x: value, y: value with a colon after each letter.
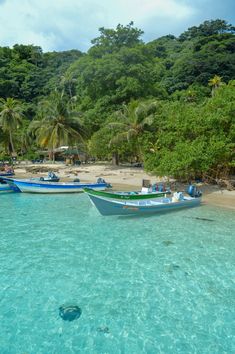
x: 4, y: 187
x: 6, y: 174
x: 107, y: 206
x: 144, y: 194
x: 32, y: 186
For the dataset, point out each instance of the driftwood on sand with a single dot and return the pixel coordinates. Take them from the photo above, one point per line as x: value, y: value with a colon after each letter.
x: 40, y: 169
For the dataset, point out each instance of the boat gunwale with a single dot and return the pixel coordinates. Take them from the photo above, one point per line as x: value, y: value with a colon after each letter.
x: 58, y: 185
x: 113, y: 196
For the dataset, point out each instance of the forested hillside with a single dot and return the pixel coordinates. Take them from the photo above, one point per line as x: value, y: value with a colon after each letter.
x: 169, y: 103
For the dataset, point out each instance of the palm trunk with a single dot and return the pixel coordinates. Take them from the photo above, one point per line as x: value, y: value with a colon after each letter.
x: 115, y: 158
x: 50, y: 155
x: 11, y: 143
x: 70, y: 91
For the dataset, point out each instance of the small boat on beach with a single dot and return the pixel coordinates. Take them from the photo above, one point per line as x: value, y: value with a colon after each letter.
x: 109, y: 206
x: 139, y: 195
x: 37, y: 186
x: 4, y: 187
x: 6, y: 170
x: 6, y: 174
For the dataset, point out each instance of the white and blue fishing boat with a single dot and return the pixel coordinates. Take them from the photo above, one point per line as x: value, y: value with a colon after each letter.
x: 110, y: 206
x: 4, y: 187
x: 32, y: 186
x: 6, y: 174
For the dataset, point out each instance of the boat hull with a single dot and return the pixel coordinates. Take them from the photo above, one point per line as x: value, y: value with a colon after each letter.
x: 108, y: 207
x: 6, y: 188
x: 6, y: 174
x: 28, y: 186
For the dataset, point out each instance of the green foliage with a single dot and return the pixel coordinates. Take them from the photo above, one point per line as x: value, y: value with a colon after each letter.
x: 10, y: 120
x: 100, y: 146
x: 195, y: 93
x: 194, y: 140
x: 207, y: 28
x: 54, y: 70
x: 56, y: 125
x: 112, y: 40
x: 122, y: 76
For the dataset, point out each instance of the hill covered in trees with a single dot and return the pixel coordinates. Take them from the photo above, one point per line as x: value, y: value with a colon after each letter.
x: 169, y: 103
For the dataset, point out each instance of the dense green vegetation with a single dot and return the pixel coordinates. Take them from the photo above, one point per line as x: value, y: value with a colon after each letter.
x: 169, y: 103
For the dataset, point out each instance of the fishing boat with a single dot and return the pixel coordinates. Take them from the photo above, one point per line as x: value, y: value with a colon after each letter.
x: 108, y: 206
x: 6, y: 174
x: 145, y: 193
x: 6, y: 171
x: 32, y: 186
x: 4, y: 187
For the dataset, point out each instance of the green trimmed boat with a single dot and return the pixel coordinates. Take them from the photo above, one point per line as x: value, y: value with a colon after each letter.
x: 110, y: 206
x: 127, y: 195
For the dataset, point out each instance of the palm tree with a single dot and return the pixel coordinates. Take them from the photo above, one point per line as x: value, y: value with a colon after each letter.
x: 10, y: 119
x: 56, y: 124
x: 132, y: 121
x: 25, y: 139
x: 215, y: 83
x: 67, y: 82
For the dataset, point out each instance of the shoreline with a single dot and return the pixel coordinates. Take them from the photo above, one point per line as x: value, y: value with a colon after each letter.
x: 122, y: 178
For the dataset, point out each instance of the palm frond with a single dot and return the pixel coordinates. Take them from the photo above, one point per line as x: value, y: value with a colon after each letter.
x: 118, y: 139
x: 115, y: 125
x: 131, y: 133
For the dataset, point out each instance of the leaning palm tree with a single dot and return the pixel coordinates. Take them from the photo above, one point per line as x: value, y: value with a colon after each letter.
x: 131, y: 121
x: 56, y: 124
x: 215, y: 83
x: 10, y: 119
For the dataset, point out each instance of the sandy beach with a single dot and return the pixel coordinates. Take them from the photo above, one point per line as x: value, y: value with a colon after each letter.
x: 121, y: 178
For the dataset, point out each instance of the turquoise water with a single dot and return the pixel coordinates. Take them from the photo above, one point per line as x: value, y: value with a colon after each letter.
x: 159, y: 284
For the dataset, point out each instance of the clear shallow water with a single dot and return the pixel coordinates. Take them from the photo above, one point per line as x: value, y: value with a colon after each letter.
x: 159, y: 284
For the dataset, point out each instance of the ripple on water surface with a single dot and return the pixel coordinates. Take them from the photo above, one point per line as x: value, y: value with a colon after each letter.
x: 140, y: 285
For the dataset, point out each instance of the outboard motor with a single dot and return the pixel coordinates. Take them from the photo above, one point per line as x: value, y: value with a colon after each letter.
x: 154, y: 187
x: 100, y: 180
x: 51, y: 174
x: 51, y: 177
x: 193, y: 191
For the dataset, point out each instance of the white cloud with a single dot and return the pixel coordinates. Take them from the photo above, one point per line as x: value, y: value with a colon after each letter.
x: 67, y: 24
x: 168, y: 9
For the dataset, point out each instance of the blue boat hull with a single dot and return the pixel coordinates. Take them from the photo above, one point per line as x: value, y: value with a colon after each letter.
x: 32, y: 186
x: 107, y: 207
x: 6, y: 187
x: 6, y: 174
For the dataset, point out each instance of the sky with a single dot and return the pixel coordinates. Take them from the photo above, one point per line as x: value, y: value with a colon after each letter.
x: 72, y: 24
